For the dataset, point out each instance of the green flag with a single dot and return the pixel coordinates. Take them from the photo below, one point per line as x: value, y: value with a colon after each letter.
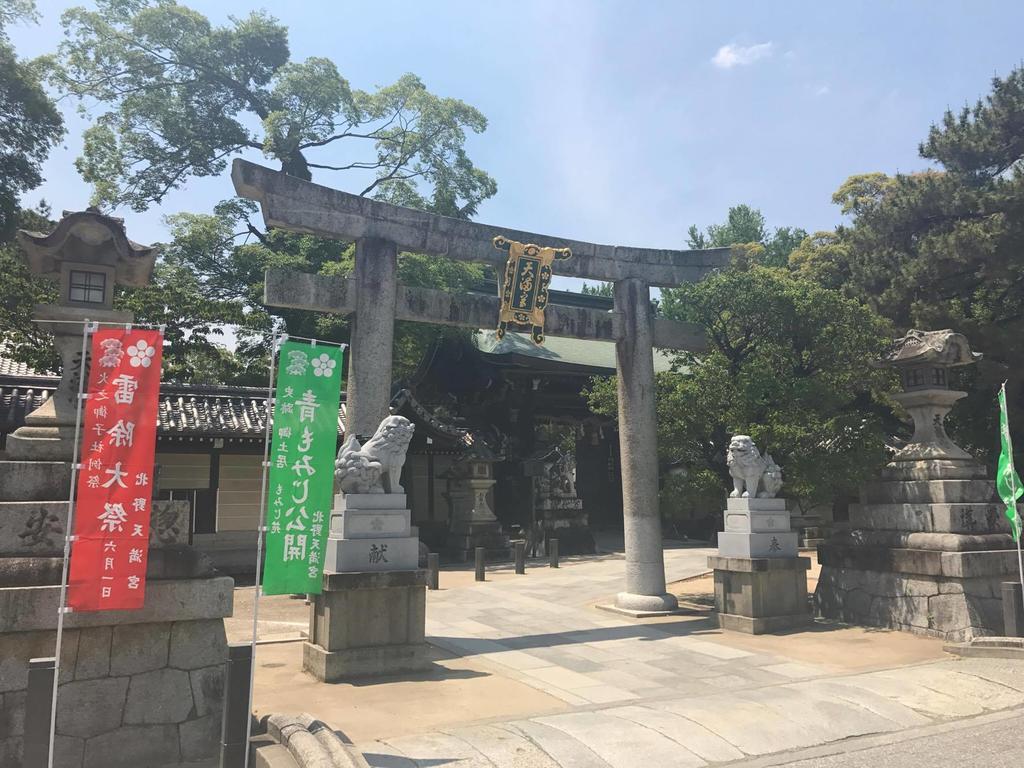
x: 1007, y: 480
x: 301, y: 479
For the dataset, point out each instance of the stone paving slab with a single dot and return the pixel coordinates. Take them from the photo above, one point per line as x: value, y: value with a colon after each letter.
x: 506, y: 746
x: 698, y: 739
x: 668, y: 692
x: 622, y: 743
x: 711, y: 729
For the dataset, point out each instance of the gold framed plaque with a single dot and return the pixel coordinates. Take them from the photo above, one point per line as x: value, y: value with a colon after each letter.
x: 524, y: 290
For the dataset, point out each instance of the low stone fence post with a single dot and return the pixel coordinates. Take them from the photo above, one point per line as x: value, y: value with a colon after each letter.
x: 236, y: 706
x: 39, y: 698
x: 520, y: 556
x: 433, y: 569
x: 481, y: 563
x: 1013, y: 609
x: 553, y: 552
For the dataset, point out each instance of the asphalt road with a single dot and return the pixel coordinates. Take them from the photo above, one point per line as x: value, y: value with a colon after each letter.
x: 991, y: 741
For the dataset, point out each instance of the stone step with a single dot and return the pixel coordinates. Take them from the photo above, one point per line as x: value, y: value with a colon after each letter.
x: 32, y: 528
x: 997, y: 564
x: 967, y: 518
x: 34, y: 480
x: 929, y: 492
x: 943, y: 542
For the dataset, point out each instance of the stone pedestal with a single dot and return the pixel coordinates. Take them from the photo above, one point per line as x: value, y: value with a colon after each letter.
x: 925, y: 556
x: 760, y: 583
x: 371, y: 532
x: 137, y: 687
x: 367, y: 625
x: 370, y: 619
x: 565, y: 520
x: 757, y: 528
x: 760, y: 595
x: 558, y: 511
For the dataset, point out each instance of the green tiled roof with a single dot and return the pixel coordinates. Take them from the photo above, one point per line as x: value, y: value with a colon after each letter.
x: 559, y: 352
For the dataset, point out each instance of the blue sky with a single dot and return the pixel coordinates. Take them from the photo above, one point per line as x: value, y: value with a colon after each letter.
x: 625, y: 122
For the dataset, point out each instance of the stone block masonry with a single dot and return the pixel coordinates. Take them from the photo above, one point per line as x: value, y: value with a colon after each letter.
x: 928, y: 605
x: 367, y: 624
x: 134, y: 690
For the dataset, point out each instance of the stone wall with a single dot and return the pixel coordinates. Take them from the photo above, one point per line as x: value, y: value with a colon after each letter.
x: 131, y: 695
x: 952, y: 609
x: 137, y: 688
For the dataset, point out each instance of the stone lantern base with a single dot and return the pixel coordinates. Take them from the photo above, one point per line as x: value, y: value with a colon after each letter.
x: 924, y: 556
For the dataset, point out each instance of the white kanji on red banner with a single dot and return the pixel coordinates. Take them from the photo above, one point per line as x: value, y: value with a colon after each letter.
x: 109, y: 554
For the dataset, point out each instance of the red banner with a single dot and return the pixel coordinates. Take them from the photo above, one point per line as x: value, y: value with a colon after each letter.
x: 111, y: 546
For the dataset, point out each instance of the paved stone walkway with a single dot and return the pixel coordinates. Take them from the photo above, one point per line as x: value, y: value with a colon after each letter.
x: 670, y: 693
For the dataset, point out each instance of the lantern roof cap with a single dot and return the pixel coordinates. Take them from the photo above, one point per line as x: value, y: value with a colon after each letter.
x: 945, y: 348
x: 89, y: 237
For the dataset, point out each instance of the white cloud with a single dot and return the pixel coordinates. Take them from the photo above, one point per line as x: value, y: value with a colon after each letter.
x: 733, y: 55
x: 822, y: 90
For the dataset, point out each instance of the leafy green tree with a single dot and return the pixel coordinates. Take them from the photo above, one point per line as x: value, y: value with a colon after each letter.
x: 195, y: 350
x: 30, y: 124
x: 178, y: 96
x: 20, y: 291
x: 942, y: 248
x: 788, y: 362
x: 597, y: 289
x: 744, y: 225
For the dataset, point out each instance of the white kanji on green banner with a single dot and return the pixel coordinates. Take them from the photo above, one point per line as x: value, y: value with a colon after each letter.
x: 301, y: 477
x: 1007, y: 480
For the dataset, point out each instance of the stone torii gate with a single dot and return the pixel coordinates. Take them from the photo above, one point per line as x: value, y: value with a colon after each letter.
x: 381, y: 230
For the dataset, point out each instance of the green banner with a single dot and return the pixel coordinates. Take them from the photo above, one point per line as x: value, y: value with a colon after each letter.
x: 1007, y: 481
x: 301, y: 480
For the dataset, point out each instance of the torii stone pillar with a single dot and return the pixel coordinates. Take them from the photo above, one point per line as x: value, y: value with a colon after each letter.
x: 369, y: 381
x: 638, y: 449
x: 380, y: 230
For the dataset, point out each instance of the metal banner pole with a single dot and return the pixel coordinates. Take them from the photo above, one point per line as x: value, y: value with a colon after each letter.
x: 89, y: 327
x: 1013, y: 492
x: 275, y: 341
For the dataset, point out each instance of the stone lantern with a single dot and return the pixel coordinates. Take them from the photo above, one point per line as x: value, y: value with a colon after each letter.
x: 473, y: 522
x: 924, y: 360
x: 87, y: 254
x: 928, y: 545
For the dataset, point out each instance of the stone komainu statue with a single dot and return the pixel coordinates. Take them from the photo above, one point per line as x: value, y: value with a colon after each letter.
x: 750, y: 470
x: 377, y: 466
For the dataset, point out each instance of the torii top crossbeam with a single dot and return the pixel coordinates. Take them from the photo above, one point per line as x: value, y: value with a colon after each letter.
x: 300, y: 206
x: 381, y: 230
